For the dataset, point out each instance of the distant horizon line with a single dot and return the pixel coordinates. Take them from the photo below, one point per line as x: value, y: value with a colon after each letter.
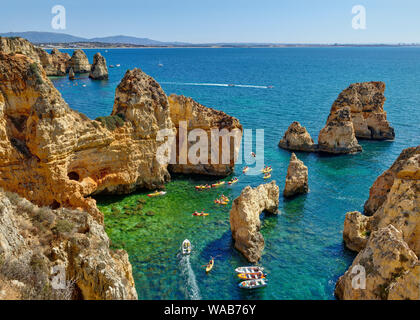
x: 85, y: 39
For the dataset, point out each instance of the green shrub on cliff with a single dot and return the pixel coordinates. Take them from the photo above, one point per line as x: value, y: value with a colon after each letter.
x: 112, y: 122
x: 35, y: 71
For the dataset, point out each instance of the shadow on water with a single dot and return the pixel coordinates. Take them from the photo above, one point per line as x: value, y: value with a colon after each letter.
x: 294, y: 208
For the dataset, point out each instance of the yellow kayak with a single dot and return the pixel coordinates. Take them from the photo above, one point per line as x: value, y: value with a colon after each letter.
x: 267, y: 170
x: 210, y: 265
x: 267, y: 176
x: 221, y: 183
x: 157, y: 193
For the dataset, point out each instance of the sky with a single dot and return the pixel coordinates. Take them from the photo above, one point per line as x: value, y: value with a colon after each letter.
x: 211, y: 21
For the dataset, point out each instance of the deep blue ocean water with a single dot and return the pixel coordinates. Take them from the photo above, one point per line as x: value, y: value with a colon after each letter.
x: 304, y: 254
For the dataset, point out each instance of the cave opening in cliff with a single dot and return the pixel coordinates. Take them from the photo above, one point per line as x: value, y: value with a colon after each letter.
x: 73, y: 176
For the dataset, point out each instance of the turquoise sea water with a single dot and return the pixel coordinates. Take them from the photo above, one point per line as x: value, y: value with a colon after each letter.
x: 304, y: 254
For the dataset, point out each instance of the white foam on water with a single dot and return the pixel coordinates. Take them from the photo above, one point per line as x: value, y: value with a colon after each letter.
x: 215, y: 85
x: 188, y: 273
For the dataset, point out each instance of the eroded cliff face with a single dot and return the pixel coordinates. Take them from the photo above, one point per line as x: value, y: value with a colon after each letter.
x: 338, y: 135
x: 196, y: 116
x: 366, y: 102
x: 54, y: 64
x: 37, y: 244
x: 245, y: 221
x: 55, y: 156
x: 396, y: 200
x: 297, y: 138
x: 297, y: 178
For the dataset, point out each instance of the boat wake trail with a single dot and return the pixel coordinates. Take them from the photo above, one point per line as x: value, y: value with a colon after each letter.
x: 188, y: 273
x: 215, y: 85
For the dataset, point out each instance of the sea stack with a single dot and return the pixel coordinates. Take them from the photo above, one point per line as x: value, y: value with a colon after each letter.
x: 79, y: 62
x: 99, y: 70
x: 338, y: 134
x: 71, y: 74
x: 245, y: 221
x: 297, y: 138
x: 366, y: 102
x: 388, y: 242
x: 297, y: 178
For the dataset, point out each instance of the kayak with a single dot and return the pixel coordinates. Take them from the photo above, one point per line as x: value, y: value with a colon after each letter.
x: 210, y: 265
x: 249, y: 269
x: 200, y: 214
x: 253, y: 284
x: 233, y: 181
x: 267, y: 176
x: 217, y: 201
x: 215, y: 185
x: 186, y: 247
x: 202, y: 187
x: 245, y: 170
x: 251, y: 276
x: 267, y: 170
x: 157, y: 193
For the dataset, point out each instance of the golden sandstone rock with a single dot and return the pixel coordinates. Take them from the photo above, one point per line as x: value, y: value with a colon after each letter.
x: 37, y: 244
x: 389, y: 240
x: 188, y: 115
x: 55, y: 156
x: 297, y: 178
x: 245, y: 221
x: 79, y: 62
x: 297, y: 138
x: 98, y: 70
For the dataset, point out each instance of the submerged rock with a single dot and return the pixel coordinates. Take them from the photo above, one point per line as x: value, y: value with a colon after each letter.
x: 35, y: 240
x: 79, y: 62
x: 55, y: 156
x: 338, y: 134
x: 196, y: 116
x: 297, y: 178
x: 366, y: 102
x: 297, y: 138
x: 245, y: 221
x: 390, y: 266
x: 99, y: 70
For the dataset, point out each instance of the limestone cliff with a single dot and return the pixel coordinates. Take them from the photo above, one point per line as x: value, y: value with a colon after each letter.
x: 297, y: 178
x: 37, y: 244
x: 55, y: 156
x: 55, y: 64
x: 366, y: 102
x: 99, y: 70
x: 338, y: 134
x: 245, y: 218
x: 79, y: 62
x: 297, y: 138
x: 391, y: 270
x: 196, y: 116
x: 388, y: 237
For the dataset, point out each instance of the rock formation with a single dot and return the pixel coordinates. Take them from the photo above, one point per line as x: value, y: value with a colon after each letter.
x: 338, y: 134
x: 395, y: 223
x: 297, y: 178
x: 72, y: 76
x: 196, y: 116
x: 35, y: 243
x: 392, y: 270
x: 245, y: 218
x: 382, y: 185
x: 55, y: 156
x: 99, y: 70
x: 297, y: 138
x: 79, y: 62
x: 366, y: 102
x: 54, y: 64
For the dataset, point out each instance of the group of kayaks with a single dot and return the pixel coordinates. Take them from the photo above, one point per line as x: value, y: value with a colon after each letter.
x: 216, y: 185
x: 223, y: 200
x: 254, y: 277
x: 267, y: 172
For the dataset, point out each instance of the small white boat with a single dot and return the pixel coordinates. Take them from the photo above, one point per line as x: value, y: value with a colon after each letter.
x: 253, y: 284
x: 160, y: 65
x: 186, y: 247
x: 249, y: 269
x: 118, y: 65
